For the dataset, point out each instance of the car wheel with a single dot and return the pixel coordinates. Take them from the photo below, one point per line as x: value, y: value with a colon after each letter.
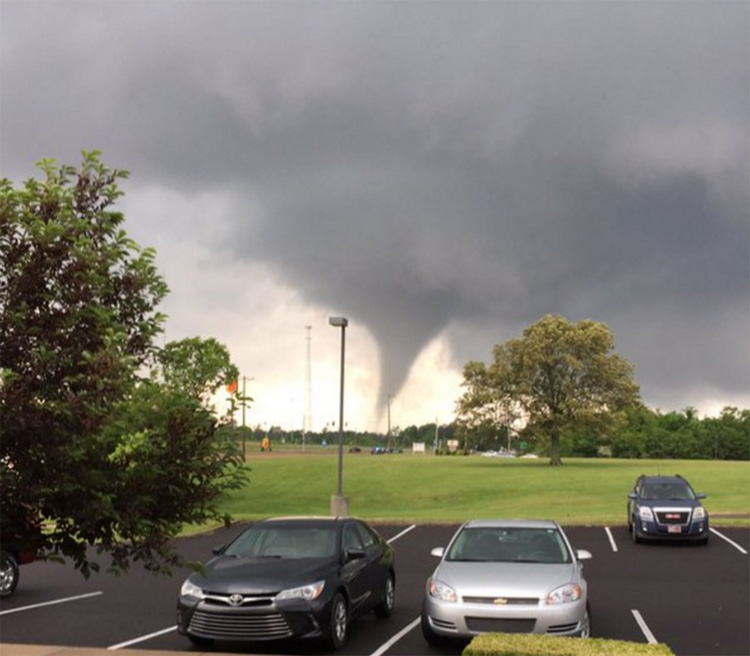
x: 385, y: 607
x: 634, y: 533
x: 432, y: 638
x: 200, y: 642
x: 8, y: 574
x: 339, y: 622
x: 586, y: 629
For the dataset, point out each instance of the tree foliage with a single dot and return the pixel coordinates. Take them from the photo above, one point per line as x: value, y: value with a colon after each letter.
x: 557, y: 377
x: 653, y: 434
x: 99, y: 455
x: 198, y: 367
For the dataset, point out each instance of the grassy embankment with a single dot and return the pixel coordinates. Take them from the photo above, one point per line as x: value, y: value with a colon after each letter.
x: 428, y: 489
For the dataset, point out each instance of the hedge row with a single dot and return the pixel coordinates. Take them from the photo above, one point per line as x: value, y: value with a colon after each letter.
x: 513, y: 644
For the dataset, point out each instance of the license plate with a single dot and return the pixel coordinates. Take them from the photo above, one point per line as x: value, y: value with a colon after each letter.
x: 674, y: 529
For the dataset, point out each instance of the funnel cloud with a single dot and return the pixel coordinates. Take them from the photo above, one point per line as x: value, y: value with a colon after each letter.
x: 434, y: 170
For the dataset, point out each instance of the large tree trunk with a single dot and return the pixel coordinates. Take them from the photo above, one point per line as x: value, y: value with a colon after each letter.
x: 554, y: 447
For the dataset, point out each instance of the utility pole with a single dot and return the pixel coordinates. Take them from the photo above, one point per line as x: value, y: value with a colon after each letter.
x: 307, y: 418
x: 243, y: 403
x: 390, y: 396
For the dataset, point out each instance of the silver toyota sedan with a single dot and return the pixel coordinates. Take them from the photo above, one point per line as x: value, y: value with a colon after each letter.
x: 506, y: 576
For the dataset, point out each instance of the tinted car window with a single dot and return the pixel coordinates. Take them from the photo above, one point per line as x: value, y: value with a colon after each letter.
x: 509, y: 545
x: 279, y: 541
x: 366, y: 535
x: 666, y: 492
x: 351, y: 539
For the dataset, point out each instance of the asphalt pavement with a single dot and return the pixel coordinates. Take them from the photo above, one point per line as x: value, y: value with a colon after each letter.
x: 695, y: 599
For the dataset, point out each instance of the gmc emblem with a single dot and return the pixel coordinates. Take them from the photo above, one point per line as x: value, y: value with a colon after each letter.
x: 672, y: 516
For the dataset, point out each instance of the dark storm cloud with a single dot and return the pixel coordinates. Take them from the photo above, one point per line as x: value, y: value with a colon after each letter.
x: 433, y: 167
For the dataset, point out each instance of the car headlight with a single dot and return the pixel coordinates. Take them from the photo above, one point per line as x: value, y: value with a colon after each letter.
x: 189, y: 589
x: 564, y: 594
x: 306, y: 592
x: 646, y: 514
x: 442, y: 591
x: 699, y: 513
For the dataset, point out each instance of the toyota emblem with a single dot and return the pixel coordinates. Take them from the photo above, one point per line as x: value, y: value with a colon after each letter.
x: 236, y: 599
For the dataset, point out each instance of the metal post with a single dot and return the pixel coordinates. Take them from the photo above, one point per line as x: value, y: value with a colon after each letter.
x: 339, y: 505
x: 244, y: 404
x: 341, y: 414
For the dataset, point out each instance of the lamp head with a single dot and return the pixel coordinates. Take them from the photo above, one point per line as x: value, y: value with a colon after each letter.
x: 338, y: 322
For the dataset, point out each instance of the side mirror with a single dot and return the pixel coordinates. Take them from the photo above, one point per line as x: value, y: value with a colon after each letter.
x: 354, y: 554
x: 701, y: 496
x: 582, y: 554
x: 632, y: 496
x: 437, y: 552
x: 217, y: 551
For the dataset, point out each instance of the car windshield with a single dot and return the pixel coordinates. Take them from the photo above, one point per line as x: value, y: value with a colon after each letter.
x: 285, y: 541
x: 666, y: 492
x: 517, y: 545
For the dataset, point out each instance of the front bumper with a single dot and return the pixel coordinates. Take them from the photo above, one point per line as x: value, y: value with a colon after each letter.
x: 463, y: 619
x: 696, y: 530
x: 294, y: 618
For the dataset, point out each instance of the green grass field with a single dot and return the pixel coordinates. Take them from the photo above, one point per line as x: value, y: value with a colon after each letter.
x: 428, y: 489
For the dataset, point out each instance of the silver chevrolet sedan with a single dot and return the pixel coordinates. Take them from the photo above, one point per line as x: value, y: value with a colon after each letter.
x: 506, y: 576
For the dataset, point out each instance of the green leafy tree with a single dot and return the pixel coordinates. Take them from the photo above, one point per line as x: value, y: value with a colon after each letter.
x: 198, y: 367
x: 99, y: 455
x: 558, y: 377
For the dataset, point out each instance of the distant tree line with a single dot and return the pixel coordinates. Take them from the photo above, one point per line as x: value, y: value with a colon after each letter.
x: 639, y: 433
x: 681, y: 435
x: 398, y: 439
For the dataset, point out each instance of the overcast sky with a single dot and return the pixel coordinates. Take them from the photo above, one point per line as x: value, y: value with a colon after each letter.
x: 441, y: 173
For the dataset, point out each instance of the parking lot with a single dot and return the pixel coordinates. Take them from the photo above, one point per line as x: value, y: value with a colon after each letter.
x: 695, y: 599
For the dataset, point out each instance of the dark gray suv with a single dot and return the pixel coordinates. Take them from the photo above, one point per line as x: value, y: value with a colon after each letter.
x: 666, y: 508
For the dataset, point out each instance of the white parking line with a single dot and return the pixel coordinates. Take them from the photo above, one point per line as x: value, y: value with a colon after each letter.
x: 644, y: 627
x: 386, y: 646
x: 732, y: 542
x: 404, y: 532
x: 155, y: 634
x: 611, y: 539
x: 51, y: 603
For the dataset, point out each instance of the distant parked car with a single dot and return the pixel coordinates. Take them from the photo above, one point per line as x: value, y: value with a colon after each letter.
x: 666, y: 507
x: 290, y: 578
x: 19, y: 545
x: 507, y: 576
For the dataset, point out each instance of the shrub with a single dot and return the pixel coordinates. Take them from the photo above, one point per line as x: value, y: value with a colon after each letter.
x: 507, y: 644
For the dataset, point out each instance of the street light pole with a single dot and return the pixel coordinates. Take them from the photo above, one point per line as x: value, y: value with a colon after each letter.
x: 339, y: 503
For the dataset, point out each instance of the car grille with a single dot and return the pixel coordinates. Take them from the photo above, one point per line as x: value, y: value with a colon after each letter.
x: 492, y: 625
x: 503, y: 601
x: 240, y: 626
x: 672, y: 516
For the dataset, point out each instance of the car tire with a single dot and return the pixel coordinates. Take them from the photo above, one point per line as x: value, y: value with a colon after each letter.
x: 200, y: 642
x: 634, y: 533
x: 586, y: 633
x: 339, y: 623
x: 385, y: 607
x: 432, y: 638
x: 8, y: 574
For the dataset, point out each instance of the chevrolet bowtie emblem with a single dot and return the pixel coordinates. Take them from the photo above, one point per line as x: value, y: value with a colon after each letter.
x: 500, y: 601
